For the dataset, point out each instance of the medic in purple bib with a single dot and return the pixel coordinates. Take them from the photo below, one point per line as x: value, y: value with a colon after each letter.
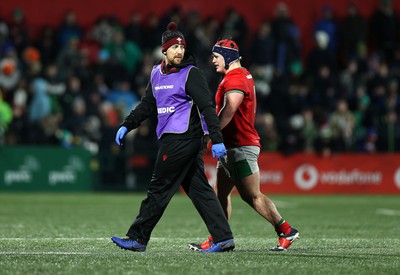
x: 178, y: 93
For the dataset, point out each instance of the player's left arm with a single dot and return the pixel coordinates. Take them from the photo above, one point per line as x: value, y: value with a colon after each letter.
x: 232, y: 101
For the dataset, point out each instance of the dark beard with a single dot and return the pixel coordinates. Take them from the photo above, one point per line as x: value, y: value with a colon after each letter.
x: 168, y: 68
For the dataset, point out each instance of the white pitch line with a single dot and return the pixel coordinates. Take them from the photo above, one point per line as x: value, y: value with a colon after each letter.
x: 388, y: 212
x: 63, y: 239
x: 43, y: 253
x: 285, y: 204
x: 54, y: 239
x: 180, y: 239
x: 75, y: 239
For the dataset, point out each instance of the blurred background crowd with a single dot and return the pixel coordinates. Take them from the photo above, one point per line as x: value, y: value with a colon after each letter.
x: 72, y: 86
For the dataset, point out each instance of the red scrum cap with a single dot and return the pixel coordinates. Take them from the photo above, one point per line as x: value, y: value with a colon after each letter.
x: 228, y: 49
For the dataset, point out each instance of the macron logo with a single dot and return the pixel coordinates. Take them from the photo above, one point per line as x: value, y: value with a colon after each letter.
x: 166, y: 110
x: 163, y: 87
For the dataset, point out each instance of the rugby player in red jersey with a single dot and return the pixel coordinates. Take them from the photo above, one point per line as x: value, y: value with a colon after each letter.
x: 236, y: 109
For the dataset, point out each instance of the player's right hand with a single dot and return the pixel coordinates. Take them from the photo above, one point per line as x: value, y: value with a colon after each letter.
x: 120, y: 135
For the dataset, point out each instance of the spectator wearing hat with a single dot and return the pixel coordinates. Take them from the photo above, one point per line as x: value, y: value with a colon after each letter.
x: 31, y: 62
x: 10, y: 74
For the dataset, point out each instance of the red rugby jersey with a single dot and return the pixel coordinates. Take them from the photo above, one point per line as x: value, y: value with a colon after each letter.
x: 240, y: 131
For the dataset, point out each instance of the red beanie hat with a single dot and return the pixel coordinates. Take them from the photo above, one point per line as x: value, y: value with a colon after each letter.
x: 171, y: 36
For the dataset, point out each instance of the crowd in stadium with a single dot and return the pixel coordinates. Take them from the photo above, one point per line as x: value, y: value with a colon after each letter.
x: 72, y: 86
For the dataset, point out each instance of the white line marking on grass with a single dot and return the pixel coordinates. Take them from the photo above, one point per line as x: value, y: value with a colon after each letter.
x: 54, y: 239
x: 183, y: 239
x: 43, y: 253
x: 388, y: 212
x: 92, y: 239
x: 285, y: 204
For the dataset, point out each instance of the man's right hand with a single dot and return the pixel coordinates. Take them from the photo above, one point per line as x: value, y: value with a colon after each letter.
x: 122, y: 131
x: 218, y: 150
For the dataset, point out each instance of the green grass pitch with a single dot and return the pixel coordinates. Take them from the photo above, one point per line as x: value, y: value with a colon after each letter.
x: 68, y: 233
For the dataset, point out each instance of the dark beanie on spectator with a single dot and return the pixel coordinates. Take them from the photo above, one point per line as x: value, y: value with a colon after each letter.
x: 171, y: 36
x: 228, y: 49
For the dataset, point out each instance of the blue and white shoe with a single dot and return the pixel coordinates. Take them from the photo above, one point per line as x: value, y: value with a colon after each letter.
x: 129, y: 244
x: 223, y: 246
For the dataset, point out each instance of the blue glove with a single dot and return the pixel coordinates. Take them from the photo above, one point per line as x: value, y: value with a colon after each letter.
x: 218, y: 150
x: 120, y: 135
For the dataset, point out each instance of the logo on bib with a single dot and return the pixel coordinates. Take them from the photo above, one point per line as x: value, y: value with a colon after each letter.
x: 163, y: 87
x: 166, y: 110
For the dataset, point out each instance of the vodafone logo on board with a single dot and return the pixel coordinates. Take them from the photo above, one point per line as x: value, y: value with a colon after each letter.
x: 306, y: 177
x: 397, y: 178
